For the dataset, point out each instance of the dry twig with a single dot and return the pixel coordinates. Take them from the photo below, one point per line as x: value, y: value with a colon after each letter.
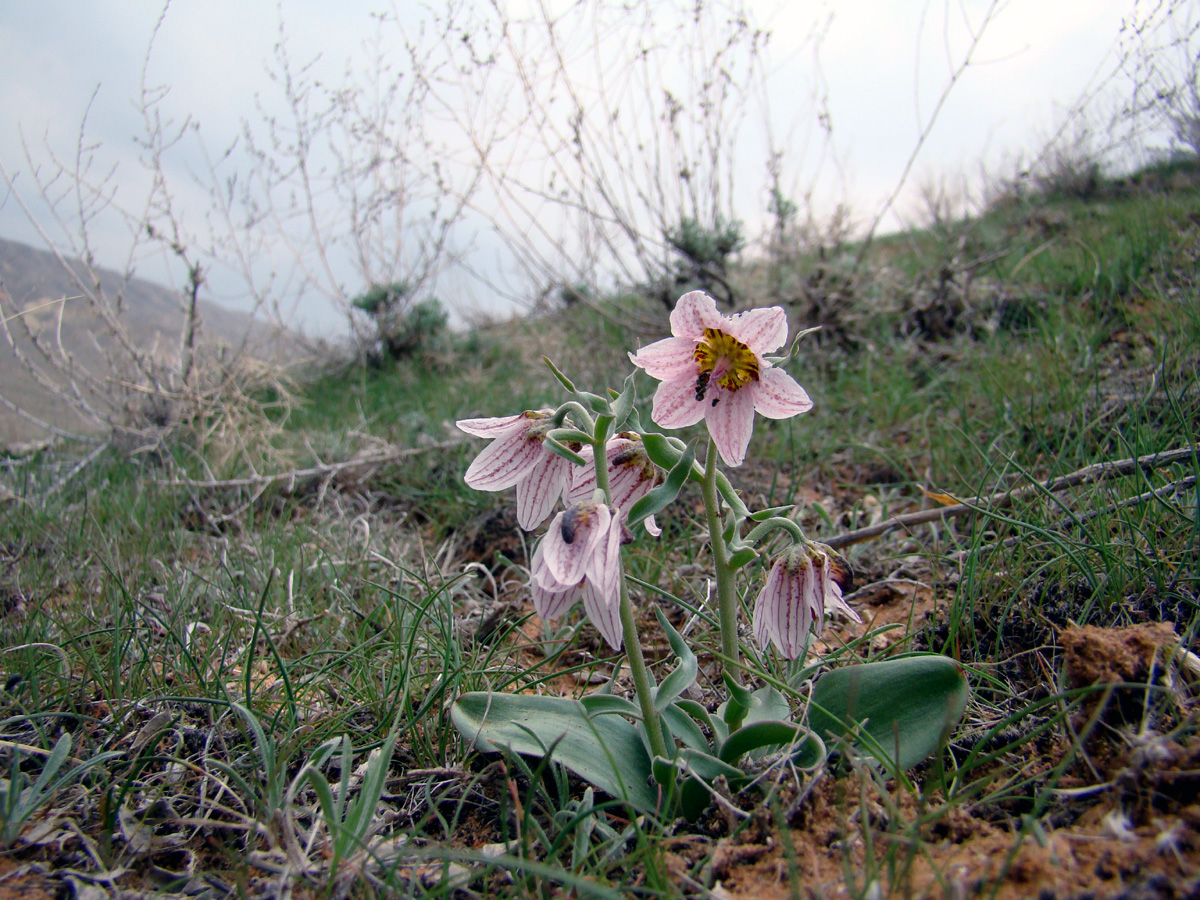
x: 322, y: 471
x: 1088, y: 474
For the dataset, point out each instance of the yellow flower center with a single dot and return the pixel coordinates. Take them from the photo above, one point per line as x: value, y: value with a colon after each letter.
x: 725, y: 360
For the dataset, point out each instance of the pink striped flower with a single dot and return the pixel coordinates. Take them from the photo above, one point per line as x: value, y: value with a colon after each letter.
x: 713, y: 369
x: 518, y: 457
x: 631, y: 476
x: 580, y: 558
x: 804, y: 583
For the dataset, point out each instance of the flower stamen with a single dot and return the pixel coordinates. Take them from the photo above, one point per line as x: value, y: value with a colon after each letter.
x: 725, y: 359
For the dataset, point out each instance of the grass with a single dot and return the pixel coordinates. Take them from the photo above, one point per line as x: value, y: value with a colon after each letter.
x: 212, y: 666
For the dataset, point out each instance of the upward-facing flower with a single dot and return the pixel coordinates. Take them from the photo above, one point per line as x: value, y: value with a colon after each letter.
x: 580, y: 558
x: 631, y: 476
x: 518, y: 457
x: 804, y: 583
x: 713, y: 369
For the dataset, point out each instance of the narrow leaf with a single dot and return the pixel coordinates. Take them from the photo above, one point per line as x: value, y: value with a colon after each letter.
x: 623, y: 402
x: 665, y: 494
x: 562, y: 379
x: 684, y: 675
x: 764, y: 514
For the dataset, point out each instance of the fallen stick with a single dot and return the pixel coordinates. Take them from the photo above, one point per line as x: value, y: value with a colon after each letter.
x: 1175, y: 488
x: 324, y: 470
x: 1095, y: 472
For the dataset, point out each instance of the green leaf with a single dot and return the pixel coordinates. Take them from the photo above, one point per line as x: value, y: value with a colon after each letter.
x: 562, y: 450
x: 808, y: 750
x: 697, y: 712
x: 362, y: 810
x: 741, y: 557
x: 609, y: 704
x: 696, y: 793
x: 685, y: 727
x: 665, y: 494
x: 731, y: 496
x: 622, y: 403
x: 562, y: 379
x: 566, y: 435
x: 707, y: 766
x: 604, y: 750
x: 660, y: 450
x: 62, y: 749
x: 740, y: 705
x: 764, y: 514
x: 906, y: 707
x: 682, y: 676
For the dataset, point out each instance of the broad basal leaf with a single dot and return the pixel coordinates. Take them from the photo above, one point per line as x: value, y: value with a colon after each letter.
x: 602, y: 749
x: 906, y: 707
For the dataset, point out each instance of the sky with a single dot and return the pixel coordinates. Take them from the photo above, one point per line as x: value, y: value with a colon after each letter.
x: 883, y: 65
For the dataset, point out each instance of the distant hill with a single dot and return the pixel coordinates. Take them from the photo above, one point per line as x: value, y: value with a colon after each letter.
x: 43, y: 305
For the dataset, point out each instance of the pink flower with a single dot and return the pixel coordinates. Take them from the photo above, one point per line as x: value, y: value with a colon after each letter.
x: 804, y: 583
x: 631, y: 476
x: 517, y: 456
x: 713, y: 369
x: 580, y: 558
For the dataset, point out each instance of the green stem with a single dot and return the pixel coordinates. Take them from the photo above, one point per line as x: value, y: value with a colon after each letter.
x: 759, y: 531
x: 633, y: 640
x: 641, y: 676
x: 727, y: 602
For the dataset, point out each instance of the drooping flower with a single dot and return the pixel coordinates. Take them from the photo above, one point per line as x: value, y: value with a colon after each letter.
x: 712, y: 368
x: 580, y: 558
x: 804, y: 583
x: 631, y: 476
x: 518, y: 457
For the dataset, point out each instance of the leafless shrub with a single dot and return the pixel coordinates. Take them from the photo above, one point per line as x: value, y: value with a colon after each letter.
x: 90, y: 357
x: 1161, y: 56
x: 343, y: 190
x: 310, y: 206
x: 612, y: 136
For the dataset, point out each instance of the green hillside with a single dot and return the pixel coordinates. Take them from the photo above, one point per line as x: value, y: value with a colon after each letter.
x: 1003, y: 444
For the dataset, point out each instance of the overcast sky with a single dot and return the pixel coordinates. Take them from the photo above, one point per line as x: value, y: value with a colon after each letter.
x: 884, y: 65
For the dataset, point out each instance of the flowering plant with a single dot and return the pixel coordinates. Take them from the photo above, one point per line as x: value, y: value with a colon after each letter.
x: 662, y: 751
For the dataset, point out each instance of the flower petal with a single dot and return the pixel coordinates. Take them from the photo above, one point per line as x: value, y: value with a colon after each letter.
x: 586, y: 524
x: 730, y: 422
x: 553, y: 604
x: 583, y: 479
x: 694, y: 312
x: 604, y: 568
x: 762, y: 330
x: 778, y: 396
x: 833, y: 602
x: 538, y: 491
x: 504, y: 462
x: 767, y: 608
x: 490, y: 428
x: 605, y: 615
x: 668, y: 359
x: 676, y: 406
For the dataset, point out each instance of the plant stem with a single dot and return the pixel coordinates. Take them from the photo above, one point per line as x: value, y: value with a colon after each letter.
x: 727, y: 602
x: 633, y: 646
x: 641, y: 675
